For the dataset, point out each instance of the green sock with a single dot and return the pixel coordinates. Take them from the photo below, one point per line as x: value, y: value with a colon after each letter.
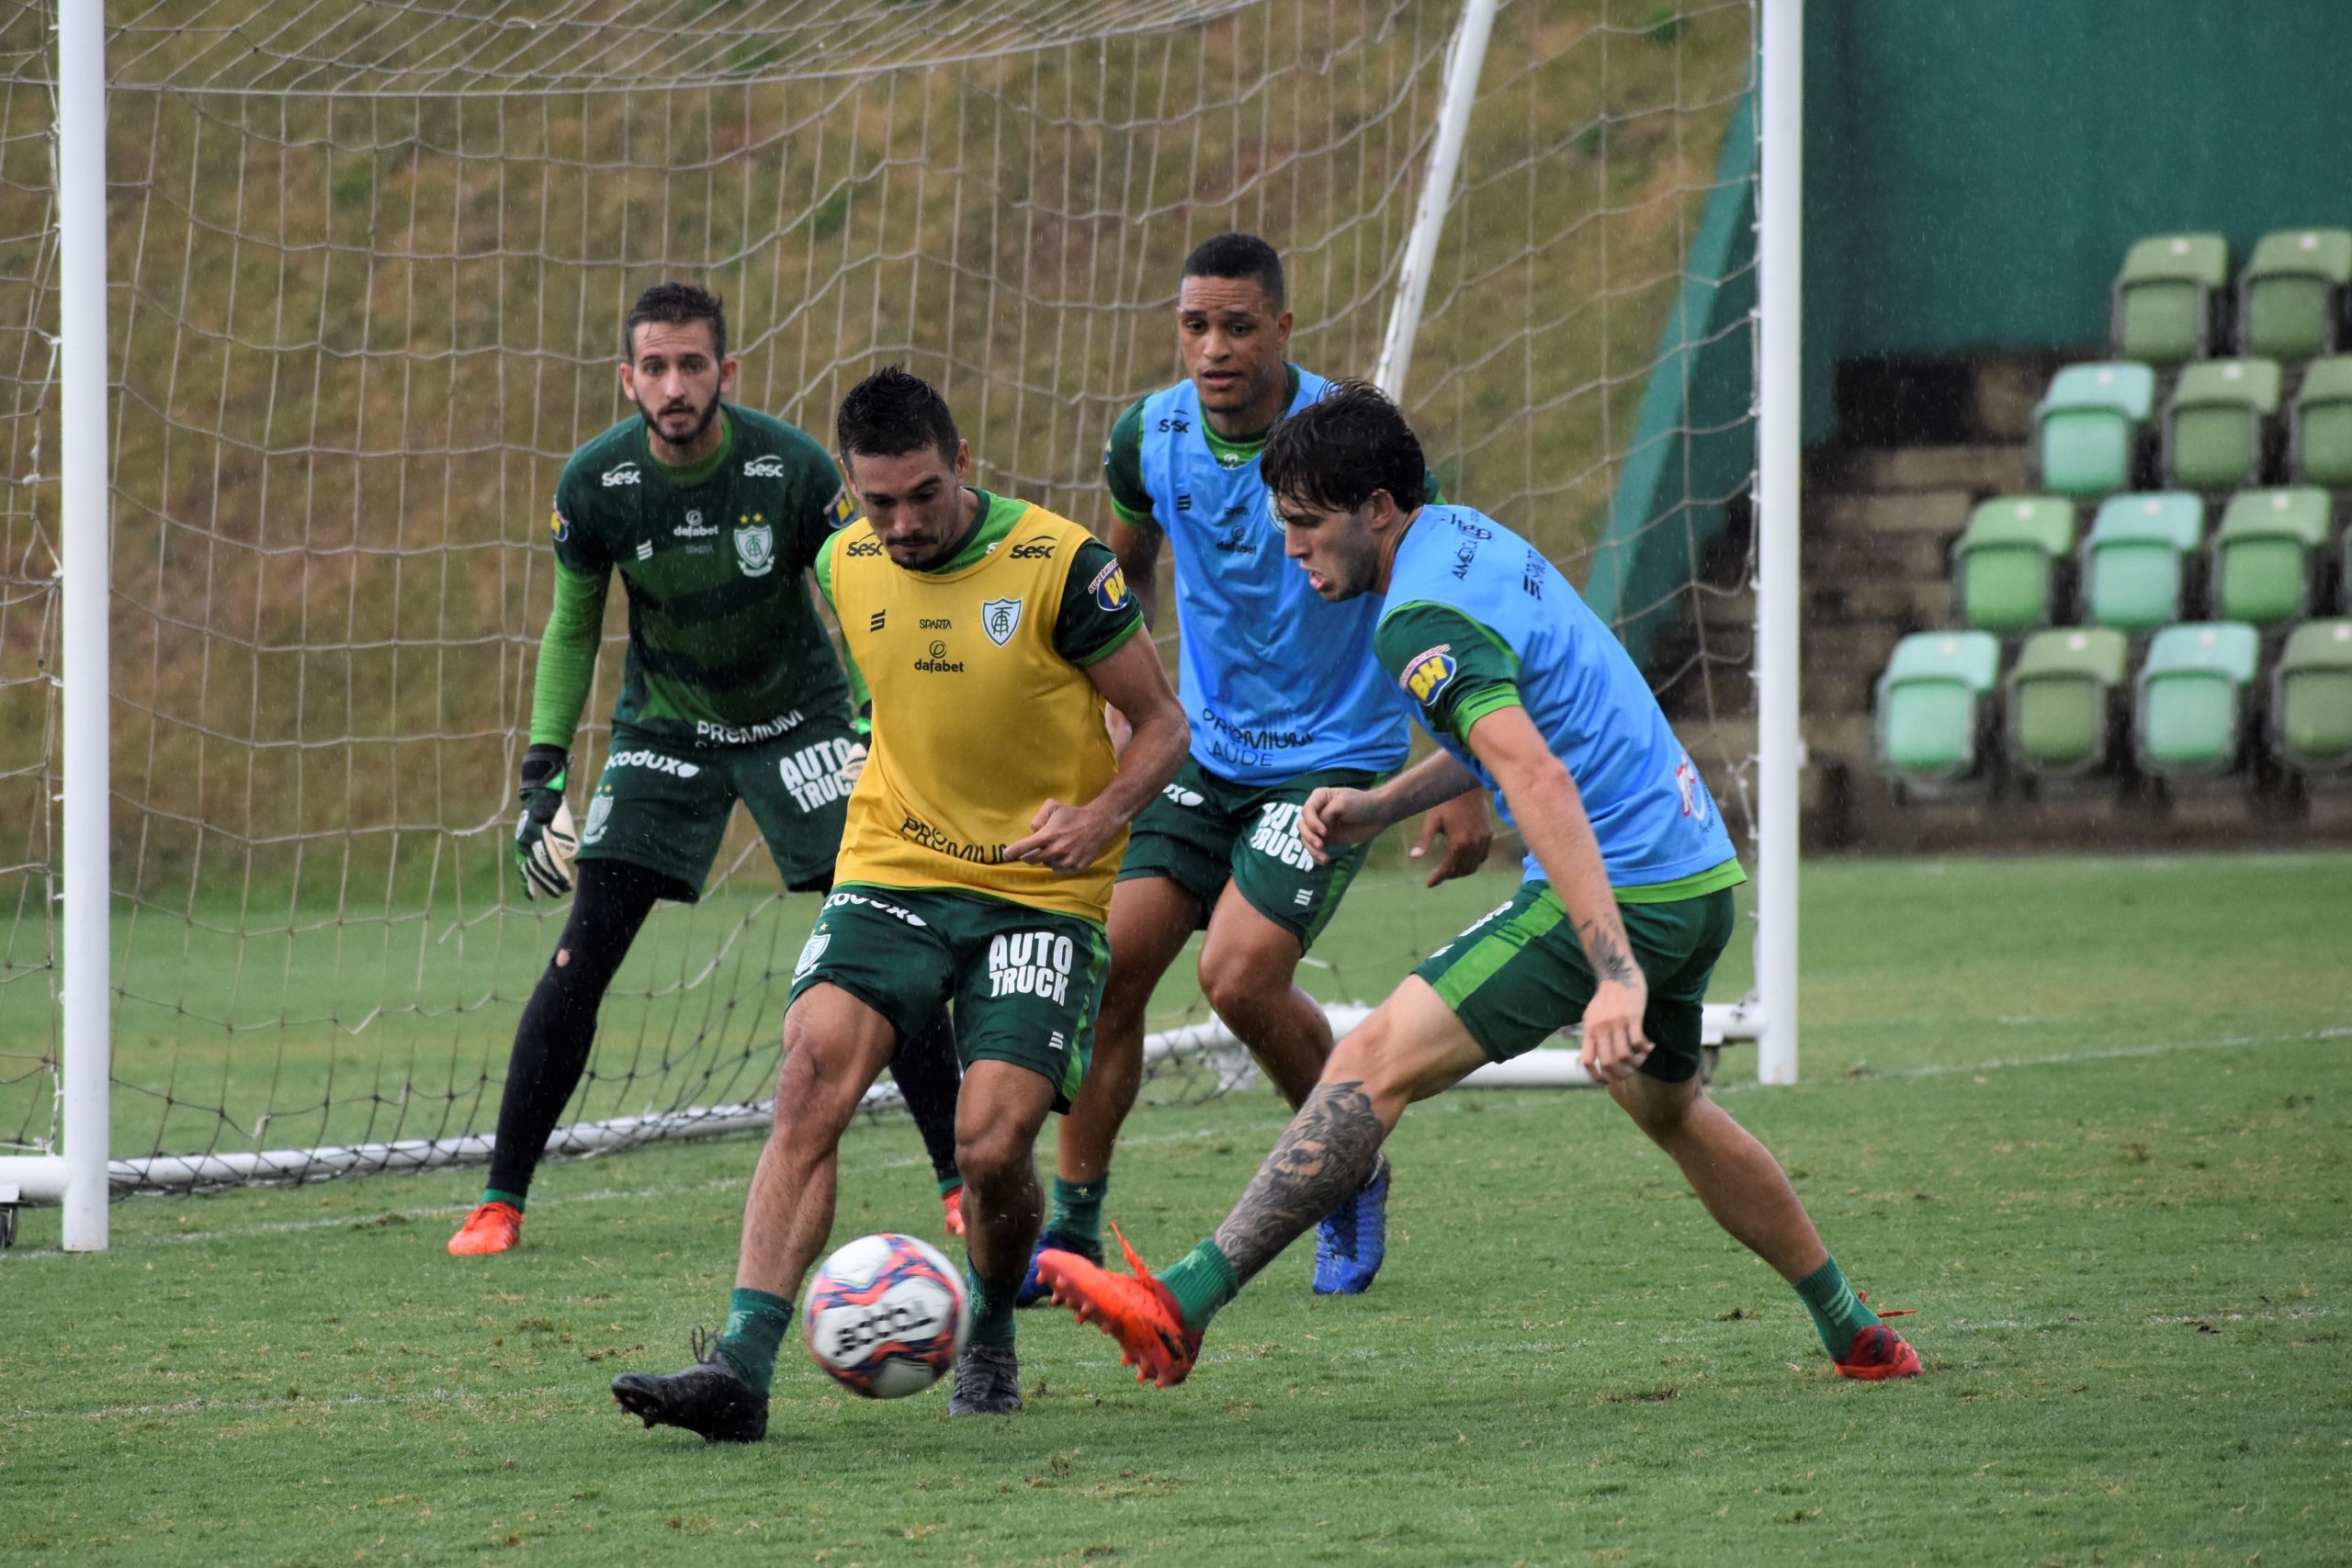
x: 1839, y: 1315
x: 949, y: 1183
x: 1202, y: 1282
x: 755, y: 1326
x: 492, y: 1195
x: 992, y: 1306
x: 1077, y: 1208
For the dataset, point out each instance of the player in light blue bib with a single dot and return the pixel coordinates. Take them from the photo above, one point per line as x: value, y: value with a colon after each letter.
x: 1626, y: 906
x: 1284, y: 697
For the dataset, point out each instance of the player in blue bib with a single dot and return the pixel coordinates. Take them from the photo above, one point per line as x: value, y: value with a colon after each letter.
x: 1283, y: 698
x: 1625, y: 907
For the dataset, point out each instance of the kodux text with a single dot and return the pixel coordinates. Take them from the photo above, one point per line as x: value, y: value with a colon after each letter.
x: 1031, y: 964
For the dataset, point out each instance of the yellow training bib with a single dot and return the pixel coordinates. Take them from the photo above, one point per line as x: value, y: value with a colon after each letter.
x: 978, y: 721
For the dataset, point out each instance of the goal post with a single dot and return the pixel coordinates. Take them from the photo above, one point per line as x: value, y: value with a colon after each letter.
x: 268, y: 616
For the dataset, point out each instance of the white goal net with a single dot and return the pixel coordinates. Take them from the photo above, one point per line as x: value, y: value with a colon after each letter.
x: 367, y: 263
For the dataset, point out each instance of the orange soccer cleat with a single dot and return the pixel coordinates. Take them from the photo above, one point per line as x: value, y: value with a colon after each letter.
x: 1135, y: 1310
x: 953, y: 1201
x: 492, y: 1227
x: 1878, y: 1352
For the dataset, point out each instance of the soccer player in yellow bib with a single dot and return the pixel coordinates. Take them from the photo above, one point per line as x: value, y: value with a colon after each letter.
x: 976, y: 869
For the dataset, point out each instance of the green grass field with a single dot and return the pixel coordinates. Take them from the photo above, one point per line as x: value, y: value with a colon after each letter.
x: 2091, y: 1117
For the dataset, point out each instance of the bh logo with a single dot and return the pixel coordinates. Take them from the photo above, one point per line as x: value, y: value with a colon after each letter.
x: 1429, y: 674
x: 1031, y: 964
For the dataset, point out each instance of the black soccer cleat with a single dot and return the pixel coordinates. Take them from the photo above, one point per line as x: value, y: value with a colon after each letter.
x: 988, y: 1382
x: 711, y: 1399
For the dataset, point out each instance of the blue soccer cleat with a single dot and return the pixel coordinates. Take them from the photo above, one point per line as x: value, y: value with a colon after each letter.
x: 1034, y: 1291
x: 1354, y: 1238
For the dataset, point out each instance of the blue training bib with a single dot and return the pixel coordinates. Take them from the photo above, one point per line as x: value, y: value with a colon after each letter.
x: 1277, y: 681
x: 1648, y: 806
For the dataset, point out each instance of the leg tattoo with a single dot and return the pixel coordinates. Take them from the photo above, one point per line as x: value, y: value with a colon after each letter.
x: 1324, y: 1155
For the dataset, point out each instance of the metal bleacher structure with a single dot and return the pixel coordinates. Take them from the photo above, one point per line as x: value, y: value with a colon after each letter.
x: 2121, y: 615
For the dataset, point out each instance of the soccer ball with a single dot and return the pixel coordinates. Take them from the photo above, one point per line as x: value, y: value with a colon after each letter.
x: 886, y: 1317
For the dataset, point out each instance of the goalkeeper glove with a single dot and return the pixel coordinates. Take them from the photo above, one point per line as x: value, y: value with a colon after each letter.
x: 543, y: 840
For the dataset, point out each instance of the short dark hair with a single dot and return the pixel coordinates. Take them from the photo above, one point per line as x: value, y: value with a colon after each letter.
x: 673, y: 305
x: 892, y: 412
x: 1345, y: 444
x: 1238, y: 255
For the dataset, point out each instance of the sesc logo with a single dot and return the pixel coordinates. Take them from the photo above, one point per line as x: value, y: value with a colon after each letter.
x: 767, y: 468
x: 1034, y: 549
x: 624, y: 474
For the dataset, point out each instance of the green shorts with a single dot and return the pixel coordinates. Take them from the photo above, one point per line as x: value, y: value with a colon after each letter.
x: 1204, y: 832
x: 1520, y: 974
x: 663, y: 805
x: 1026, y: 982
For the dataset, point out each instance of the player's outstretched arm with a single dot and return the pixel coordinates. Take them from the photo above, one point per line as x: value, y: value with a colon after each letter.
x: 1334, y: 818
x: 1069, y: 837
x: 1550, y: 813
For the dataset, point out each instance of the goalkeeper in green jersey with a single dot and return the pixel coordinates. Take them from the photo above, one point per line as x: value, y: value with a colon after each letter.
x: 711, y: 514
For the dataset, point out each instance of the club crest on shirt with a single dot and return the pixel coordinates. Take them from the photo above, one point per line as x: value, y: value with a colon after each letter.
x: 755, y: 550
x: 1429, y: 674
x: 1110, y: 586
x: 999, y: 618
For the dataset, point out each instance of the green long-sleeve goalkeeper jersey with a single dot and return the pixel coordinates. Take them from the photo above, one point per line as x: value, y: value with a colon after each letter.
x: 725, y: 645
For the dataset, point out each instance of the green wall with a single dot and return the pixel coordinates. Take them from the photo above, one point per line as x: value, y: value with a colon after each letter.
x: 1975, y: 169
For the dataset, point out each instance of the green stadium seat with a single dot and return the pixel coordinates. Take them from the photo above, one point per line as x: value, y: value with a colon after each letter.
x: 2265, y: 554
x: 2290, y: 302
x: 2320, y: 443
x: 2088, y: 426
x: 2166, y: 296
x: 2217, y: 428
x: 2004, y: 565
x: 2189, y: 719
x: 2134, y: 573
x: 1931, y: 706
x: 2061, y: 699
x: 2311, y: 703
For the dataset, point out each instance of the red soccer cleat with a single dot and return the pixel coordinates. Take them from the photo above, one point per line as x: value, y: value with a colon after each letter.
x: 953, y: 1201
x: 492, y: 1227
x: 1135, y: 1310
x: 1879, y: 1352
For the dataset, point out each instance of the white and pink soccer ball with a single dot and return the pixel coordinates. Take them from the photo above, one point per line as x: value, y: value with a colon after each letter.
x: 887, y: 1315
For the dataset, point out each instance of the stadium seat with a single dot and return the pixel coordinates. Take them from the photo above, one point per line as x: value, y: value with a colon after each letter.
x: 1931, y: 708
x: 2088, y: 426
x: 2290, y: 302
x: 2166, y: 297
x: 2061, y: 699
x: 2266, y: 555
x: 2134, y: 571
x: 2320, y: 444
x: 2003, y: 566
x: 2311, y: 704
x: 2217, y: 428
x: 2189, y: 719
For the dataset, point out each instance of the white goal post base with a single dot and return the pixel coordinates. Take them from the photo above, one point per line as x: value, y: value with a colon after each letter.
x: 41, y: 1179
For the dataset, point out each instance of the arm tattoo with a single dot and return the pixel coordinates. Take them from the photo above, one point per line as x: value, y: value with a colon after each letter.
x: 1605, y: 949
x: 1325, y: 1155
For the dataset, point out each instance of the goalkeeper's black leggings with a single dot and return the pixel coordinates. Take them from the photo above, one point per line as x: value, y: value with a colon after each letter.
x: 559, y: 1024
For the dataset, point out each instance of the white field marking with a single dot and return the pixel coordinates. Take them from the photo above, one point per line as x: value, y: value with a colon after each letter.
x: 362, y: 1220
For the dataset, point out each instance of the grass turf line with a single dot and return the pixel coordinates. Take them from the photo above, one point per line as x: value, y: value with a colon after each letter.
x: 2130, y: 1272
